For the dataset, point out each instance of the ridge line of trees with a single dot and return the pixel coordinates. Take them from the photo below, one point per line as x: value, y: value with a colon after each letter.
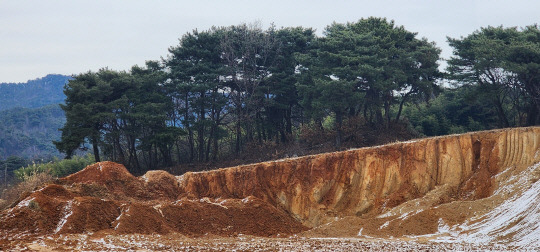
x: 227, y: 90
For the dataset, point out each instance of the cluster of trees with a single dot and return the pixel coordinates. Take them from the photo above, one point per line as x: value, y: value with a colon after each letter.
x: 28, y: 132
x: 504, y: 65
x: 7, y: 168
x: 227, y: 89
x: 495, y: 73
x: 30, y: 118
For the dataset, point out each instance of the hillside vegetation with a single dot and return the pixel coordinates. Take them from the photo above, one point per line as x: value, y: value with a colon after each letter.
x: 29, y: 132
x: 34, y: 93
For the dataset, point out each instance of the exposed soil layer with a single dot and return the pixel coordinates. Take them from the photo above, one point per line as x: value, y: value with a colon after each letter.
x: 368, y: 181
x: 444, y: 189
x: 105, y: 196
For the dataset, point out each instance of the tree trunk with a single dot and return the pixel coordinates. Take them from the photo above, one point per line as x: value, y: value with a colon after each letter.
x: 211, y: 136
x: 259, y: 126
x: 201, y: 129
x: 288, y: 120
x: 387, y: 112
x: 379, y: 116
x: 339, y: 124
x: 190, y: 132
x: 402, y: 103
x: 503, y: 121
x: 216, y: 146
x: 532, y: 115
x: 95, y: 148
x: 238, y: 129
x: 120, y: 152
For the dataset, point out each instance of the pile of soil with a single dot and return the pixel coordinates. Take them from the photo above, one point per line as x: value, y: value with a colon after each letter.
x: 106, y: 197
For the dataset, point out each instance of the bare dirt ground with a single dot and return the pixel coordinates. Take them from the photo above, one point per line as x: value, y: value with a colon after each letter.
x: 176, y: 242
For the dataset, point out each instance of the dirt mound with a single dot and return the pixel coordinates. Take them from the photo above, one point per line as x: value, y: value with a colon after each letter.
x: 101, y: 173
x: 446, y: 189
x: 37, y: 213
x: 162, y: 183
x: 229, y: 217
x: 109, y: 180
x: 94, y: 200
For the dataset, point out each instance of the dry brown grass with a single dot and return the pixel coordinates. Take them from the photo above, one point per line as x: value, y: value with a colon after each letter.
x: 30, y: 183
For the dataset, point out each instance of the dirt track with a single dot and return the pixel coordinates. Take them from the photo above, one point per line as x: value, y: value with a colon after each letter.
x: 471, y: 191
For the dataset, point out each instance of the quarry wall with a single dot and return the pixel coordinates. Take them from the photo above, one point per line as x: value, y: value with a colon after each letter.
x: 364, y: 182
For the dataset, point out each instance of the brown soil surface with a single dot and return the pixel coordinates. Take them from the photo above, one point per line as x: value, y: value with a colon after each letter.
x: 437, y: 193
x: 69, y: 208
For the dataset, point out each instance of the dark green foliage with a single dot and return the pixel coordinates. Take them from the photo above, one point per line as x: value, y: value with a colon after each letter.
x: 12, y: 163
x: 57, y: 168
x: 453, y: 111
x: 9, y: 165
x: 195, y: 67
x: 368, y: 66
x: 34, y: 93
x: 121, y: 115
x: 29, y: 132
x: 502, y: 65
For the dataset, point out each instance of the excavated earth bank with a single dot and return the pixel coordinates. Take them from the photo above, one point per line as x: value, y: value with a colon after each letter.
x: 479, y: 189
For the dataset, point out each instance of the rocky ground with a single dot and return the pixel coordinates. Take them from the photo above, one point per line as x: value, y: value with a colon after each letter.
x: 176, y: 242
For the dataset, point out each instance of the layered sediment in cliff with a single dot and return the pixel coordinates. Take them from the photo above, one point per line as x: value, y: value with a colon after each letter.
x: 370, y: 180
x: 443, y: 186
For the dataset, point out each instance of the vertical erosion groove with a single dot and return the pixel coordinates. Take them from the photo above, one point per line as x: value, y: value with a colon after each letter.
x: 477, y: 146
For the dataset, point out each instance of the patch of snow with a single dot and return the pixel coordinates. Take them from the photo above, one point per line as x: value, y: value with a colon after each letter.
x: 246, y: 200
x: 158, y: 209
x: 384, y: 225
x: 207, y: 200
x: 107, y: 244
x: 68, y: 211
x: 26, y: 202
x: 514, y: 221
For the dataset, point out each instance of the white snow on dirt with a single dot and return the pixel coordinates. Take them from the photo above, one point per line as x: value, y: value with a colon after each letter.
x: 68, y: 211
x: 514, y: 222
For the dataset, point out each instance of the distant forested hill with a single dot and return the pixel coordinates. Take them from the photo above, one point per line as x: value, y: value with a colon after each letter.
x: 30, y: 117
x: 34, y: 93
x: 29, y: 132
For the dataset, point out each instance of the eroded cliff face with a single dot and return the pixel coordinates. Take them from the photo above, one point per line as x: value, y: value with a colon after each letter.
x: 364, y: 182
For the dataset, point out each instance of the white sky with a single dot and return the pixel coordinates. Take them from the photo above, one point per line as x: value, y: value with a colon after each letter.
x: 73, y: 36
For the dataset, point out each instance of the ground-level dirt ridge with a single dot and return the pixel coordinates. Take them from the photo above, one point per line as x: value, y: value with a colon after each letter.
x: 480, y: 188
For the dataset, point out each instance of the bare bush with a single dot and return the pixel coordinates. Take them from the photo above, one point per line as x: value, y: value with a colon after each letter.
x: 30, y: 183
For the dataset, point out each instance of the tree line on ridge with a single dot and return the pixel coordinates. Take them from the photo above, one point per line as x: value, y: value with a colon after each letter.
x: 228, y: 90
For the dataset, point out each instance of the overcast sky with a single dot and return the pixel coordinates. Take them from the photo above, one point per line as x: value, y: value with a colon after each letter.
x: 69, y: 37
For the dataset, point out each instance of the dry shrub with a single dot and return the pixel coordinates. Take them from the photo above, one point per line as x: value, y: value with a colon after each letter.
x: 356, y: 132
x: 310, y: 139
x: 30, y: 183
